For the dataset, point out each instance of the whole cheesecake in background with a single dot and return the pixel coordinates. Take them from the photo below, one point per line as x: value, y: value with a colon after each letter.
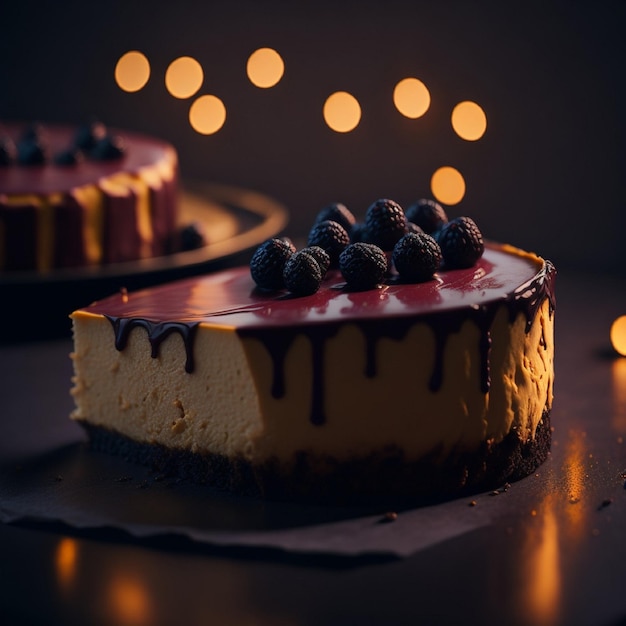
x: 80, y: 196
x: 406, y: 389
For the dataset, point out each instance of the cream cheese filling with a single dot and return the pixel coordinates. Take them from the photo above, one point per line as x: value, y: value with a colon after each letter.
x: 225, y: 406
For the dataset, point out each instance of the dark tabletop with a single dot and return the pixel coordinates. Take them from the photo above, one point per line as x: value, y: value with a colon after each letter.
x: 552, y: 552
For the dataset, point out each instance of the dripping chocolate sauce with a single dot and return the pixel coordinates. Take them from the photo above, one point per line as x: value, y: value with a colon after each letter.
x: 526, y: 300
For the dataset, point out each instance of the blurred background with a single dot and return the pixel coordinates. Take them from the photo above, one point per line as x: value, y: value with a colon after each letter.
x: 547, y: 173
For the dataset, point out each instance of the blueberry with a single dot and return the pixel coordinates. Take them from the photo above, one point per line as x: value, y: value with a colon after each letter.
x: 302, y: 274
x: 416, y: 257
x: 331, y: 237
x: 427, y: 214
x: 268, y: 262
x: 363, y: 265
x: 385, y: 223
x: 461, y: 243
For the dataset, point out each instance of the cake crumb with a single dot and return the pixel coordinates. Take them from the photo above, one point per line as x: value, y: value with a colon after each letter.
x: 472, y: 503
x: 390, y: 516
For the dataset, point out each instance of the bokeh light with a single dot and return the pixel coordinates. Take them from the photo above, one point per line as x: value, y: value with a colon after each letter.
x: 65, y: 562
x: 618, y: 335
x: 448, y: 185
x: 132, y: 71
x: 207, y: 114
x: 342, y: 112
x: 469, y: 121
x: 411, y: 97
x: 129, y: 601
x: 265, y: 67
x: 183, y: 77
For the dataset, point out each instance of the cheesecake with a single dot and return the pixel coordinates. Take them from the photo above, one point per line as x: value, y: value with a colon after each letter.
x: 403, y: 390
x: 84, y: 196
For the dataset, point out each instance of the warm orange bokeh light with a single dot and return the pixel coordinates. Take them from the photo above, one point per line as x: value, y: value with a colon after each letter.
x: 132, y: 71
x: 128, y: 601
x: 469, y: 121
x: 65, y: 562
x: 184, y: 77
x: 543, y: 568
x: 618, y: 335
x: 342, y: 112
x: 411, y: 97
x: 448, y: 185
x: 265, y: 67
x: 619, y: 395
x: 207, y: 115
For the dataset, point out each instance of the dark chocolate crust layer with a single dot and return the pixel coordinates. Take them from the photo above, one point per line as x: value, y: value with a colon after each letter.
x: 385, y: 476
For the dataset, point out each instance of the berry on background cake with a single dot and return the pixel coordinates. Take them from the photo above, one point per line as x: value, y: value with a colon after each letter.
x: 379, y: 361
x: 84, y: 196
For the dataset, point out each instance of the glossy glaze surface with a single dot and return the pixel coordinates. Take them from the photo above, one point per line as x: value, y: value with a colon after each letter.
x: 230, y: 298
x: 141, y: 151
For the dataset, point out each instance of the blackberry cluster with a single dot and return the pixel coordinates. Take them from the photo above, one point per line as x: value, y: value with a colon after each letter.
x: 268, y: 262
x: 415, y: 245
x: 91, y: 141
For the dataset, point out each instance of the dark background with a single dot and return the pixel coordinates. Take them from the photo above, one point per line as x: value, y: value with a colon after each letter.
x: 548, y: 175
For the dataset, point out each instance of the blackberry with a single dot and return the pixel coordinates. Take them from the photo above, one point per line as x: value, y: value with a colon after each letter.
x: 321, y: 256
x: 192, y: 236
x: 33, y: 132
x: 427, y: 214
x: 31, y: 152
x: 268, y: 262
x: 357, y: 233
x: 363, y: 265
x: 8, y: 152
x: 385, y: 223
x: 412, y: 227
x: 290, y: 243
x: 331, y: 237
x: 88, y: 135
x: 108, y: 148
x: 70, y: 156
x: 337, y: 212
x: 416, y: 257
x: 461, y: 243
x: 302, y: 274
